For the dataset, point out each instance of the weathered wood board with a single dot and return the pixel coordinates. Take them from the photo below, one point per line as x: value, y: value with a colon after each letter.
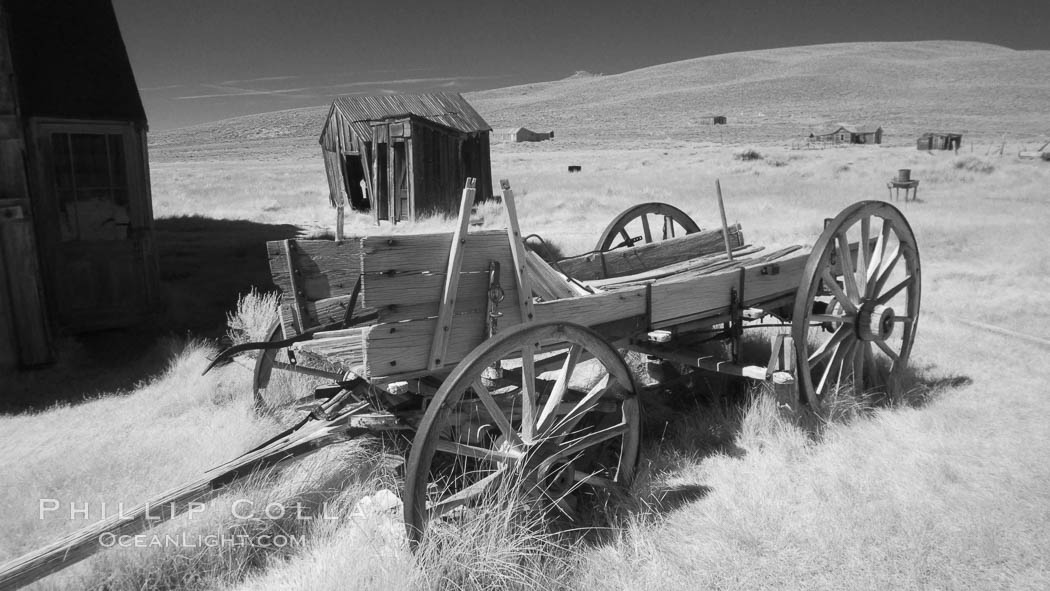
x: 645, y: 257
x: 325, y: 274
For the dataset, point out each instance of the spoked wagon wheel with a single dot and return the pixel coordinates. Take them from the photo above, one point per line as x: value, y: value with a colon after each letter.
x: 857, y: 307
x: 551, y: 437
x: 271, y: 393
x: 646, y: 223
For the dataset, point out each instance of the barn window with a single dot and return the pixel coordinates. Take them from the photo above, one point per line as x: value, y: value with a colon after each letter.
x: 91, y: 182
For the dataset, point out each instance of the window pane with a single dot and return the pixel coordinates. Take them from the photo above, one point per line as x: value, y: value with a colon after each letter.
x: 91, y: 185
x: 90, y: 160
x: 63, y: 169
x: 116, y: 161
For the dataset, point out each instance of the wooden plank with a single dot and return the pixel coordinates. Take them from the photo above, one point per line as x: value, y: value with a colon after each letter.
x: 403, y: 347
x: 460, y: 239
x: 472, y: 298
x: 595, y: 309
x: 86, y: 541
x: 517, y: 247
x: 326, y: 268
x: 428, y: 253
x: 708, y: 295
x: 25, y: 289
x: 549, y: 284
x: 646, y: 257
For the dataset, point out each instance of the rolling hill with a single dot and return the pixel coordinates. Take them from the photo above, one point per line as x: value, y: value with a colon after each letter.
x: 984, y: 91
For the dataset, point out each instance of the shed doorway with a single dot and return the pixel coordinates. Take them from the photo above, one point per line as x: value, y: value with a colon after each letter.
x: 99, y: 223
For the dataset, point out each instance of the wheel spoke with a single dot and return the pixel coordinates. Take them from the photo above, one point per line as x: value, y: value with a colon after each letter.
x: 627, y: 240
x: 561, y: 386
x: 529, y: 395
x: 439, y: 508
x: 836, y: 290
x: 568, y: 422
x: 837, y: 359
x: 860, y: 359
x: 668, y: 227
x: 590, y: 440
x: 592, y: 479
x: 847, y: 356
x: 646, y: 232
x: 885, y: 270
x: 478, y: 453
x: 496, y: 412
x: 837, y: 337
x: 821, y: 318
x: 849, y: 271
x: 895, y: 290
x: 888, y: 351
x: 862, y: 254
x: 880, y: 248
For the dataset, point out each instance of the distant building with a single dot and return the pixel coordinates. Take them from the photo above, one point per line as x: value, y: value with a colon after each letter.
x: 866, y: 134
x: 403, y: 156
x: 940, y: 141
x: 848, y: 135
x: 712, y: 119
x: 520, y: 134
x: 76, y: 219
x: 523, y: 134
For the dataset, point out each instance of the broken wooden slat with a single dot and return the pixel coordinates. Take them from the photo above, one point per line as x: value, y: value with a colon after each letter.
x: 645, y: 257
x: 547, y: 282
x: 85, y: 542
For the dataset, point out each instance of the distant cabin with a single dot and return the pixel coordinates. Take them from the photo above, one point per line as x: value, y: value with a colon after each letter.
x: 940, y: 141
x: 521, y: 134
x: 847, y: 135
x: 403, y: 156
x: 76, y: 221
x: 712, y: 119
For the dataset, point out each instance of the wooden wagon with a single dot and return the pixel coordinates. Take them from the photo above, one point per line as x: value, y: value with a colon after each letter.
x: 502, y: 368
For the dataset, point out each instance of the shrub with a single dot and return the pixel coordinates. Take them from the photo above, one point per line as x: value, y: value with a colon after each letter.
x: 748, y: 155
x: 974, y: 164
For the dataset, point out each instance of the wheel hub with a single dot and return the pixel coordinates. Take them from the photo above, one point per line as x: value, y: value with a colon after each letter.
x: 875, y: 322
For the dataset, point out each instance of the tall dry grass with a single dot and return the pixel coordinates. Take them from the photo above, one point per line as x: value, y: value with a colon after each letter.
x: 943, y: 488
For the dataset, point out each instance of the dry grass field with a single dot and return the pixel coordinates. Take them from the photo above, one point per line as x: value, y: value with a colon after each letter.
x: 946, y: 487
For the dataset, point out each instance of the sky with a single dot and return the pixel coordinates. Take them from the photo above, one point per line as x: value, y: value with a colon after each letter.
x: 204, y: 60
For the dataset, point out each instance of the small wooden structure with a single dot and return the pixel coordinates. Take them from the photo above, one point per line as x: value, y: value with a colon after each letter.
x: 521, y: 134
x: 866, y: 134
x: 842, y: 134
x: 712, y: 120
x: 76, y: 220
x: 402, y: 156
x: 939, y: 141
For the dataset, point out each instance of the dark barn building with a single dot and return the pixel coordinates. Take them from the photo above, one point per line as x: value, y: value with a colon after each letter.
x: 403, y: 156
x: 76, y: 219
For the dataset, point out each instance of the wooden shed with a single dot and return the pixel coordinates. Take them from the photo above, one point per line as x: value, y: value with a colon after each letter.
x: 76, y: 220
x: 866, y: 134
x: 402, y: 156
x: 940, y: 141
x: 838, y: 135
x: 712, y: 119
x: 521, y: 134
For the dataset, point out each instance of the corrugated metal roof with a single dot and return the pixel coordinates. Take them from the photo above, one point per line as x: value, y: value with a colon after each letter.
x: 444, y: 108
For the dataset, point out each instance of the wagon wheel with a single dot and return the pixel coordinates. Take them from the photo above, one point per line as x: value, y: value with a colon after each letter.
x: 297, y: 381
x: 557, y: 433
x: 857, y: 307
x: 646, y: 223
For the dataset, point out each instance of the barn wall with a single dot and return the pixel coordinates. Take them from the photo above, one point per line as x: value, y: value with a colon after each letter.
x: 25, y: 337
